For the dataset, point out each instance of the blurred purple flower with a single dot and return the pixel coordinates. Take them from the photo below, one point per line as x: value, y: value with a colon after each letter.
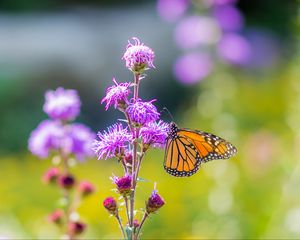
x: 66, y: 181
x: 193, y: 31
x: 124, y: 184
x: 112, y: 142
x: 193, y: 67
x: 235, y: 49
x: 142, y: 113
x: 81, y: 139
x: 171, y: 10
x: 45, y: 137
x: 265, y: 48
x: 62, y: 104
x: 155, y: 134
x: 138, y: 57
x: 229, y: 18
x: 116, y: 95
x: 154, y: 203
x: 219, y: 2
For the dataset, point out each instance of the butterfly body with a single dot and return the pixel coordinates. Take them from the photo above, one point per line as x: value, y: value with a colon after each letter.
x: 186, y: 149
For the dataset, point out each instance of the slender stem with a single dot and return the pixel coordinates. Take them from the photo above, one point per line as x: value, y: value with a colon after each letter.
x: 127, y: 209
x: 141, y: 225
x: 121, y: 226
x: 139, y: 165
x: 135, y: 132
x: 136, y: 86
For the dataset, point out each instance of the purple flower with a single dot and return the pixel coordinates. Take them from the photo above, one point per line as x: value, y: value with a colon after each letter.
x: 154, y: 203
x: 62, y: 104
x: 80, y: 139
x: 171, y: 10
x: 110, y: 205
x: 193, y: 67
x: 155, y: 134
x: 117, y: 95
x: 138, y: 57
x: 142, y: 113
x: 112, y: 142
x: 45, y: 137
x: 235, y: 49
x: 193, y: 31
x: 229, y: 18
x: 124, y: 184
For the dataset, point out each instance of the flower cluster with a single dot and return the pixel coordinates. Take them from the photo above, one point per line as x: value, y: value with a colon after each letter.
x: 128, y: 144
x: 65, y: 140
x: 220, y: 31
x: 56, y: 134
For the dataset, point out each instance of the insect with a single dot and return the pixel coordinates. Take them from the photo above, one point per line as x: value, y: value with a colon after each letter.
x: 186, y: 149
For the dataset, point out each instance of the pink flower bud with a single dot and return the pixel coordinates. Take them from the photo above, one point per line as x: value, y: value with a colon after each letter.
x: 154, y: 203
x: 51, y: 175
x: 66, y: 181
x: 76, y: 228
x: 56, y: 216
x: 111, y: 205
x: 86, y: 188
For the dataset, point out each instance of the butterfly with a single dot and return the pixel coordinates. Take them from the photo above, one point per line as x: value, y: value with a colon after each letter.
x: 186, y: 149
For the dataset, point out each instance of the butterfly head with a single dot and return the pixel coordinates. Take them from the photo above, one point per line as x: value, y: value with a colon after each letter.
x: 173, y: 128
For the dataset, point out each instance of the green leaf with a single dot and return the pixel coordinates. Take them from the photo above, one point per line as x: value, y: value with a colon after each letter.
x: 129, y: 232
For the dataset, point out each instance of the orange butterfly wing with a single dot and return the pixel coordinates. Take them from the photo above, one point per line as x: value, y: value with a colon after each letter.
x: 209, y: 146
x: 181, y: 157
x: 187, y: 149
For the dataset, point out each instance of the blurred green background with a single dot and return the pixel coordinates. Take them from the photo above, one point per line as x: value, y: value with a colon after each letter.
x: 79, y: 44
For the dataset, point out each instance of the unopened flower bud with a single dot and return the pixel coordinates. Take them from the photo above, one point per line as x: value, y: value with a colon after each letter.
x: 86, y: 188
x: 76, y: 228
x: 111, y: 205
x: 51, y: 175
x: 56, y: 216
x: 124, y: 184
x: 66, y: 181
x: 136, y: 223
x: 154, y: 202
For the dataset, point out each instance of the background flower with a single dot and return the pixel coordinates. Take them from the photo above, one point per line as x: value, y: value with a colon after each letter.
x: 62, y: 104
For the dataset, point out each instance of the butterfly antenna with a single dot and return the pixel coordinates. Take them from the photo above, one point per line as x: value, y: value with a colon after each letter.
x: 167, y: 110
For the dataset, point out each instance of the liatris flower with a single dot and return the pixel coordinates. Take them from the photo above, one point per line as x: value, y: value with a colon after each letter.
x: 62, y: 104
x: 66, y: 181
x: 76, y: 228
x: 154, y: 203
x: 138, y: 57
x: 51, y: 175
x: 81, y: 138
x: 154, y: 134
x: 117, y: 95
x: 45, y: 137
x: 112, y: 142
x: 141, y: 113
x: 85, y: 188
x: 56, y: 216
x: 124, y: 184
x: 128, y: 157
x: 110, y: 205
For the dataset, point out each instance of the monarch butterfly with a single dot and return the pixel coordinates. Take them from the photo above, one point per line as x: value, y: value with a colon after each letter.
x: 186, y: 149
